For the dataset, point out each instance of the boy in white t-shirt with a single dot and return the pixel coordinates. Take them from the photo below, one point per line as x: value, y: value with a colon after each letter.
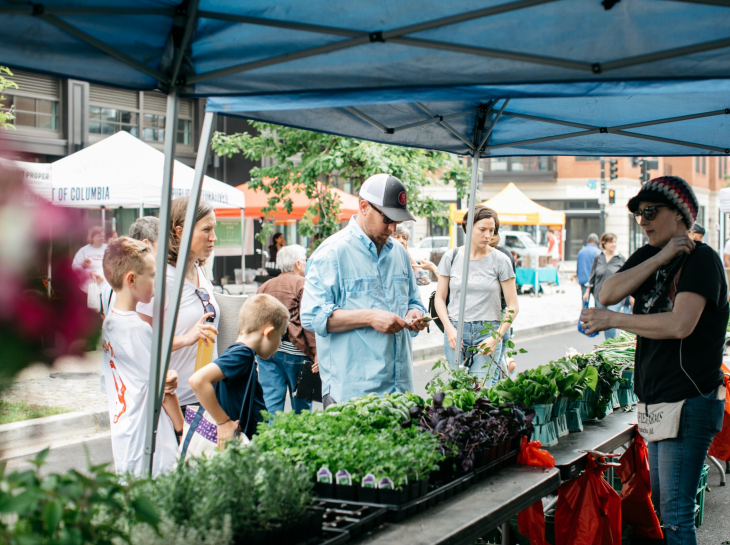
x: 129, y: 266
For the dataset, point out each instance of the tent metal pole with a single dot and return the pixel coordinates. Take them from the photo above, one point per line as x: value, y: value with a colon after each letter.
x: 103, y: 221
x: 201, y: 164
x: 153, y: 403
x: 365, y: 117
x: 663, y: 55
x: 494, y: 124
x: 435, y: 119
x: 190, y: 24
x: 448, y: 127
x: 27, y: 9
x: 724, y: 151
x: 510, y: 113
x: 243, y: 245
x: 467, y: 257
x: 545, y: 139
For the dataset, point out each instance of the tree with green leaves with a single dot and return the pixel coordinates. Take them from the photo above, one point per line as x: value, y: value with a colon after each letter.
x: 306, y: 162
x: 6, y: 118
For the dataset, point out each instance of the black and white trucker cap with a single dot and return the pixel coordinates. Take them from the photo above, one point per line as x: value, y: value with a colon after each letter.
x: 389, y: 194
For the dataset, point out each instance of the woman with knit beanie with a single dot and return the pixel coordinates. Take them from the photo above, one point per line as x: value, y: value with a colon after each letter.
x: 680, y: 317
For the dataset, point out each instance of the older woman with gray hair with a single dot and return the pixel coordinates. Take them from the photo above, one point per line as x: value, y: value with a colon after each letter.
x: 402, y: 235
x: 298, y: 347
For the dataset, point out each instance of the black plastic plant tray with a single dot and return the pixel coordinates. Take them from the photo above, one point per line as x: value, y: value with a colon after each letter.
x: 436, y: 494
x: 342, y: 521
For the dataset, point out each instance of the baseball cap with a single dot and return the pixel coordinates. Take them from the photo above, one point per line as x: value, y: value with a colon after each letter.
x: 389, y: 194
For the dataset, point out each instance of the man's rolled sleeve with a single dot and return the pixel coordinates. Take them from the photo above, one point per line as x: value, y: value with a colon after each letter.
x: 321, y: 293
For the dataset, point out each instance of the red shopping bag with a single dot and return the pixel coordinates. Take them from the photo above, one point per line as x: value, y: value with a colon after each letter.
x: 531, y: 521
x: 636, y: 507
x: 720, y: 447
x: 589, y: 510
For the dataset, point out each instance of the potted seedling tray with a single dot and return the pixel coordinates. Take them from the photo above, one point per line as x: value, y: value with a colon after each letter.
x: 342, y: 520
x: 436, y: 493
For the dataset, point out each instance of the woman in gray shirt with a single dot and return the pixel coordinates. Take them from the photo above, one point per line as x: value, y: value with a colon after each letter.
x: 605, y: 265
x: 489, y: 270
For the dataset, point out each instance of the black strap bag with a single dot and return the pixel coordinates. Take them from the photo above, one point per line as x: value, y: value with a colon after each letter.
x: 431, y: 299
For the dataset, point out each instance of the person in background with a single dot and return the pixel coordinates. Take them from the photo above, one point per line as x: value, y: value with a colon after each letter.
x: 197, y: 302
x: 361, y: 295
x: 697, y: 233
x: 221, y: 385
x: 111, y: 234
x: 585, y: 262
x: 553, y: 247
x: 298, y: 346
x: 726, y: 254
x: 277, y: 243
x: 402, y: 235
x: 605, y: 265
x: 88, y: 260
x: 490, y: 272
x: 680, y: 320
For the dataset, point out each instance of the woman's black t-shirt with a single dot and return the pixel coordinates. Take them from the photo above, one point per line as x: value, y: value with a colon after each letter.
x: 659, y: 377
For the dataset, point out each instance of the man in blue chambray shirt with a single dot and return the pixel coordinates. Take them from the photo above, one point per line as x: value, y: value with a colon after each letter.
x: 361, y: 297
x: 585, y: 261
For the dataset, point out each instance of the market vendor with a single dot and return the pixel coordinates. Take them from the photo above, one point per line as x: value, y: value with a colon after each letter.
x: 361, y: 296
x: 680, y: 317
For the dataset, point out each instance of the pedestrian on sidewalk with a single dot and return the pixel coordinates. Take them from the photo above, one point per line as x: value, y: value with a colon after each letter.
x: 605, y: 265
x: 402, y: 235
x: 680, y: 318
x: 697, y: 233
x: 490, y: 273
x: 585, y: 262
x: 298, y: 346
x: 197, y: 302
x: 361, y: 296
x: 88, y: 260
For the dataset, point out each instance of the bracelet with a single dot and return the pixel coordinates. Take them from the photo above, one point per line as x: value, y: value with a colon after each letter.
x: 226, y: 420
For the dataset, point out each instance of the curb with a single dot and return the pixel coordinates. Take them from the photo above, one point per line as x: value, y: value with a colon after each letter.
x: 39, y: 433
x: 428, y: 352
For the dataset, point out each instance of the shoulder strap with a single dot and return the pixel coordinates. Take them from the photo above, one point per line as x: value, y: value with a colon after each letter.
x: 453, y: 256
x: 191, y: 431
x: 250, y: 395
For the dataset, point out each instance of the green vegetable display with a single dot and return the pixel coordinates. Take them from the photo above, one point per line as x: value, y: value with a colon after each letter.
x: 609, y: 374
x: 619, y: 351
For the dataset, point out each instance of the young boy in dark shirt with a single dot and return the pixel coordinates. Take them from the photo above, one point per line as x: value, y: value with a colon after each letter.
x: 221, y: 385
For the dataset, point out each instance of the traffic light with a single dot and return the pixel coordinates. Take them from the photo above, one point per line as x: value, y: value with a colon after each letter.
x: 613, y: 169
x: 611, y: 196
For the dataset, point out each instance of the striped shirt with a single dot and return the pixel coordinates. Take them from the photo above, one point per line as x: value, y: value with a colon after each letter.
x: 288, y: 348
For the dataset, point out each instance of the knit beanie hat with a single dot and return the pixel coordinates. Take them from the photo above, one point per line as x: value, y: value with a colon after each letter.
x: 672, y: 190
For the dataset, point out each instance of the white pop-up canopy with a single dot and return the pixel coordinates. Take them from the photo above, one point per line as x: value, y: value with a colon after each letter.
x: 122, y: 171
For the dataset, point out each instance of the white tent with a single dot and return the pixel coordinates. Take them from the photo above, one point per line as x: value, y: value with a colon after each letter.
x: 122, y: 171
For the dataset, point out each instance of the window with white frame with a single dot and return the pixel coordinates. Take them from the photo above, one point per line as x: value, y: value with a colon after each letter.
x: 35, y: 103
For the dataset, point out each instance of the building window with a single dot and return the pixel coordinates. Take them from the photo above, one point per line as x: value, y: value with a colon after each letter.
x: 153, y: 129
x: 108, y: 121
x: 704, y: 162
x: 518, y: 164
x: 33, y: 112
x: 586, y: 158
x: 697, y: 164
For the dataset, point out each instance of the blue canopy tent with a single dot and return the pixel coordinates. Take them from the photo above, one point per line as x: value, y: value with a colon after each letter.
x: 525, y: 77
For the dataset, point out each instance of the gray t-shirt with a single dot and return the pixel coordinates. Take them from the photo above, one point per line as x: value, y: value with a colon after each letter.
x: 485, y: 274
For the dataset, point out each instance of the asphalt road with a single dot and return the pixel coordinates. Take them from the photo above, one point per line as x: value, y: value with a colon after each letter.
x: 716, y: 527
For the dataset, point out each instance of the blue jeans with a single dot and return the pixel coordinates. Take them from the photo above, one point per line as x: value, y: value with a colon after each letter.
x: 676, y: 465
x: 483, y: 366
x: 278, y: 373
x: 611, y: 333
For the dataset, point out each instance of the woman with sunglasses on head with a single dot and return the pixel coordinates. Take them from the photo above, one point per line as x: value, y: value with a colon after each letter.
x: 680, y: 317
x: 604, y: 266
x: 490, y: 275
x: 198, y: 313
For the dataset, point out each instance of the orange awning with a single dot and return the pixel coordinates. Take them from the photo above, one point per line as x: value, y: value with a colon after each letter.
x: 256, y: 200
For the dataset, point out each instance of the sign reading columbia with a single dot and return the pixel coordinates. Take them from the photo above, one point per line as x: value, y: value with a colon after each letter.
x: 95, y: 194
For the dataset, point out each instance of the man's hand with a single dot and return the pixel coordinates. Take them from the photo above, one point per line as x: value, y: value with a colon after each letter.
x: 387, y: 322
x: 675, y: 247
x: 413, y: 319
x: 596, y: 319
x: 226, y: 431
x: 171, y: 382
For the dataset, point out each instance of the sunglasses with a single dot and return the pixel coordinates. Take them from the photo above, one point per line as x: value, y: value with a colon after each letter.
x: 386, y: 219
x: 649, y: 212
x: 205, y: 300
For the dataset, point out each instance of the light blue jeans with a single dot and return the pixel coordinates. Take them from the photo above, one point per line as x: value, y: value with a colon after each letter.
x: 483, y: 366
x: 611, y: 333
x: 676, y: 465
x: 277, y: 374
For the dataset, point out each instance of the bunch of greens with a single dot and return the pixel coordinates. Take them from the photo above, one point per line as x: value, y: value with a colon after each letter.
x: 459, y: 386
x: 69, y: 509
x: 609, y: 374
x: 244, y: 487
x: 465, y: 432
x: 382, y: 442
x: 619, y: 351
x: 376, y: 411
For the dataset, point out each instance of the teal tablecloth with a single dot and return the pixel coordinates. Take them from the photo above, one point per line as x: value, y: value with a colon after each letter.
x: 545, y: 274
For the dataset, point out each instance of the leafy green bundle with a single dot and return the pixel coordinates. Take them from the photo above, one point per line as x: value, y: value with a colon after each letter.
x: 620, y: 351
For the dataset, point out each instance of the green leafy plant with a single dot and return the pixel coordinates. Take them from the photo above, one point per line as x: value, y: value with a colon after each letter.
x: 6, y: 118
x: 69, y: 509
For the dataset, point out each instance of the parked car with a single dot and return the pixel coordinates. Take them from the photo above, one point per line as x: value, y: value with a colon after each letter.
x: 431, y: 248
x: 522, y: 244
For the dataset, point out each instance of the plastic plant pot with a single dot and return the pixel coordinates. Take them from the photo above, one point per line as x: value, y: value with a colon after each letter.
x: 393, y: 497
x: 543, y: 413
x: 423, y: 486
x: 575, y: 423
x: 367, y: 495
x: 346, y: 492
x: 324, y: 490
x: 560, y: 406
x: 628, y: 376
x: 545, y: 433
x: 561, y: 425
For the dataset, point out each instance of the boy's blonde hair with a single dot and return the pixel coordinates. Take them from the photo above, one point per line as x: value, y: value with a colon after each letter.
x: 122, y: 255
x: 260, y: 311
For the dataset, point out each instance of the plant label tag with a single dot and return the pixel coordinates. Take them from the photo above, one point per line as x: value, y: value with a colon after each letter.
x: 324, y: 475
x: 344, y: 477
x: 368, y: 481
x: 386, y: 484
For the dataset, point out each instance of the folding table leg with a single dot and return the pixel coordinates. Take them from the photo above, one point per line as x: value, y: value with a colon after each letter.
x: 715, y: 462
